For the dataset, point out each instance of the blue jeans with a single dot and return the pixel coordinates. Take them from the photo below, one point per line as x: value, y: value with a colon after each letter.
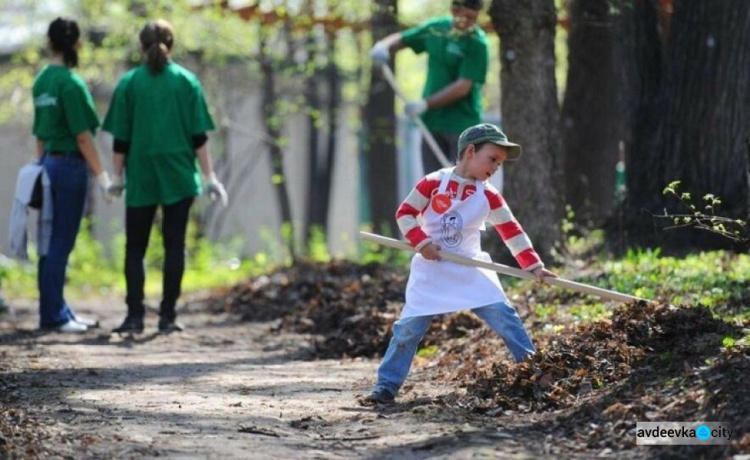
x: 408, y: 332
x: 69, y: 179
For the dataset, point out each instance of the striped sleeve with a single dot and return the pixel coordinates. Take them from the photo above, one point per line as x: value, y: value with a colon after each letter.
x: 511, y: 232
x: 413, y: 206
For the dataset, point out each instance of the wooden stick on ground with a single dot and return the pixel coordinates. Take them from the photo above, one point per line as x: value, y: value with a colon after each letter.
x: 506, y: 270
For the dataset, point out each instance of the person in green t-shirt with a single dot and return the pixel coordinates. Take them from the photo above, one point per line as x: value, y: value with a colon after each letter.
x: 64, y: 120
x: 458, y: 57
x: 159, y: 119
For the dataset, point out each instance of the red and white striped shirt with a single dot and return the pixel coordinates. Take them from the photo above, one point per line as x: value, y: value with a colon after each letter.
x: 500, y: 216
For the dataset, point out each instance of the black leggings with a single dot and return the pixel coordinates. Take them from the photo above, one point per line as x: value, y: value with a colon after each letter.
x: 138, y: 222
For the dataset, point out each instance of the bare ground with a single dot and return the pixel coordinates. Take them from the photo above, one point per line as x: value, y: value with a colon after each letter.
x: 227, y: 388
x: 221, y: 389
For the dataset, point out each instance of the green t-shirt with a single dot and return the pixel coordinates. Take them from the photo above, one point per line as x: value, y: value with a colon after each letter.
x: 450, y: 57
x: 158, y: 114
x: 63, y: 108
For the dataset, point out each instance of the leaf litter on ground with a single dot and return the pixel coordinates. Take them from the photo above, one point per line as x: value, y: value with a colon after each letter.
x: 648, y: 361
x: 587, y: 385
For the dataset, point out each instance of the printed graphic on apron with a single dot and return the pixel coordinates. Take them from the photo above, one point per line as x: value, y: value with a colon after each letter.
x: 452, y: 224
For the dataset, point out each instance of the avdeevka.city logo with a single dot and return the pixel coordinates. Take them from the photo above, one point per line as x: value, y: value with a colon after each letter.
x: 674, y: 433
x: 703, y: 432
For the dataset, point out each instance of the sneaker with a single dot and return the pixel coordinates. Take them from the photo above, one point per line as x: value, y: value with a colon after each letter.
x: 72, y: 326
x: 89, y: 323
x: 378, y: 396
x: 166, y: 326
x: 133, y: 324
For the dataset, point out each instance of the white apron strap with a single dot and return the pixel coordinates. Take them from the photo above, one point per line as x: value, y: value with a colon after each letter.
x: 445, y: 177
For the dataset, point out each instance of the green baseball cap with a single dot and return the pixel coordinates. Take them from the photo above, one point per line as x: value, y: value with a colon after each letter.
x: 486, y: 132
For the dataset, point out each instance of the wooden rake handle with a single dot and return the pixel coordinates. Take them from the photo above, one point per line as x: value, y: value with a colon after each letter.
x: 388, y: 74
x: 506, y: 270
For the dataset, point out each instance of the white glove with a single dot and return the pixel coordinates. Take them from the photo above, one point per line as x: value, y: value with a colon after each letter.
x: 115, y: 190
x: 380, y: 54
x: 416, y: 108
x: 104, y: 184
x: 215, y: 189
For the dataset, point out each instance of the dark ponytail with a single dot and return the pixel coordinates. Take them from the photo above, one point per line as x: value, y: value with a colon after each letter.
x: 63, y: 34
x: 156, y: 41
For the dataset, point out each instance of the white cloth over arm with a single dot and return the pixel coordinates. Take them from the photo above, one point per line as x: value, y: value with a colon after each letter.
x: 18, y: 226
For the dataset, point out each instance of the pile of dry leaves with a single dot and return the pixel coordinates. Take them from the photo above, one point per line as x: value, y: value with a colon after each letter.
x: 649, y: 362
x: 588, y: 382
x: 591, y: 356
x: 350, y: 308
x: 329, y: 292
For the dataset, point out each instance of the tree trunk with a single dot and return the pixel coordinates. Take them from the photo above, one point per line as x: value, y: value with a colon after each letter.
x: 531, y: 115
x: 706, y: 94
x: 694, y: 129
x: 380, y: 132
x: 333, y: 77
x: 315, y: 199
x: 590, y: 137
x: 321, y: 162
x: 273, y: 132
x: 638, y: 54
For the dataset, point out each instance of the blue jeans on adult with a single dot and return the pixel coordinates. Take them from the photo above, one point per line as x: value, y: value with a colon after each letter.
x: 68, y: 176
x: 408, y: 332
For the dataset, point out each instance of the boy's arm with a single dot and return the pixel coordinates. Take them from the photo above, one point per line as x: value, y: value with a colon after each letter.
x: 512, y: 233
x: 412, y: 207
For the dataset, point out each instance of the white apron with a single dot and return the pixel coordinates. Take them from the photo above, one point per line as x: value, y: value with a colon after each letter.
x: 436, y: 287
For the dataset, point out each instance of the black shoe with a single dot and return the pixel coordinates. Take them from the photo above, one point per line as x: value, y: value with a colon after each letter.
x: 169, y: 325
x: 378, y: 396
x: 133, y: 324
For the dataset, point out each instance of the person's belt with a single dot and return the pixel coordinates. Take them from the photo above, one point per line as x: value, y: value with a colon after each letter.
x: 64, y: 153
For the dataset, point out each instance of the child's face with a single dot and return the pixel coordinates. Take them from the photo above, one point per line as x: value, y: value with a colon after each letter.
x: 484, y: 162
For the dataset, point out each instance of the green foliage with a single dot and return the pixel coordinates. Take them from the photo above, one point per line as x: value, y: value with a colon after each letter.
x: 428, y: 352
x: 577, y: 241
x: 317, y: 246
x: 545, y: 312
x: 18, y: 278
x: 716, y: 279
x: 15, y: 86
x: 589, y: 311
x: 567, y: 224
x: 703, y: 216
x: 561, y: 52
x: 374, y: 252
x: 92, y: 274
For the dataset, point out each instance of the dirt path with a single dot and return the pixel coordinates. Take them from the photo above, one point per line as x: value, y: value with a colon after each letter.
x: 221, y: 389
